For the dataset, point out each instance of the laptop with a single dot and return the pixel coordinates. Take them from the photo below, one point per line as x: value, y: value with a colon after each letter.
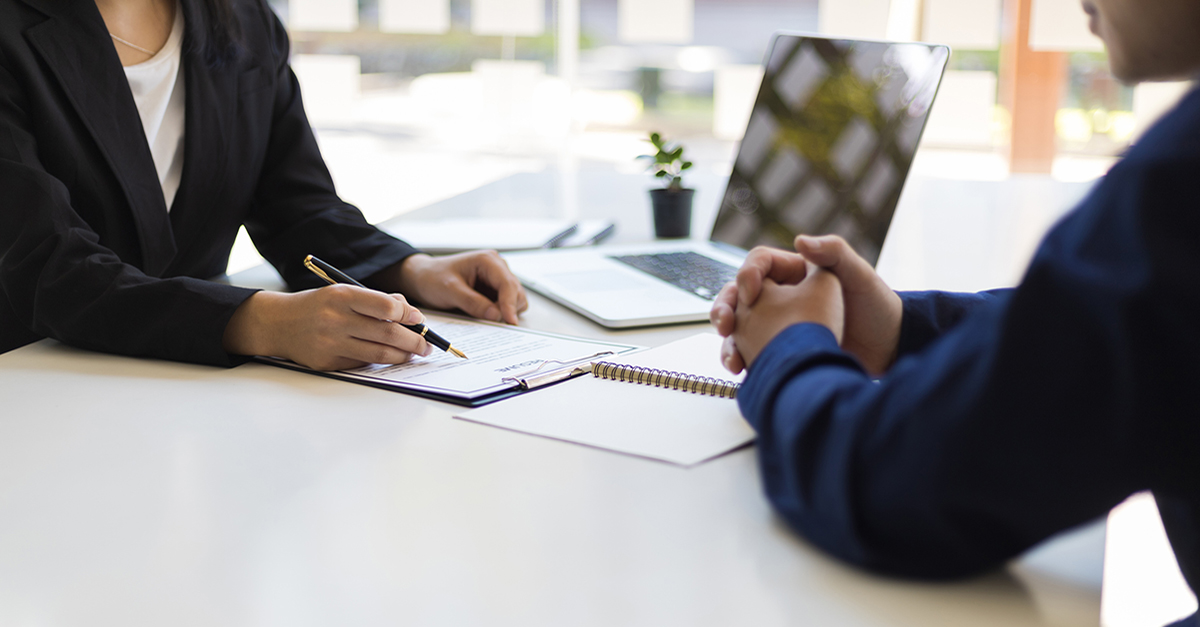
x: 827, y: 149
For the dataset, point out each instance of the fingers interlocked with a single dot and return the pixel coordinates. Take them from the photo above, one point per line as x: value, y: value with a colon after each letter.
x: 769, y: 265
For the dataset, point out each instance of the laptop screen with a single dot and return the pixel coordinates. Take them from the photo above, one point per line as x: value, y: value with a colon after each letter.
x: 830, y: 142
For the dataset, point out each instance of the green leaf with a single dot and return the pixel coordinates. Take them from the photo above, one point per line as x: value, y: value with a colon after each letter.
x: 678, y: 152
x: 686, y: 165
x: 660, y: 173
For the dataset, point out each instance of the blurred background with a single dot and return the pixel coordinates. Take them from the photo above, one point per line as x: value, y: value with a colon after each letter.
x: 416, y: 101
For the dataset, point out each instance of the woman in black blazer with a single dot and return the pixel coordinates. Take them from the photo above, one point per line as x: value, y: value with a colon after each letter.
x: 89, y: 253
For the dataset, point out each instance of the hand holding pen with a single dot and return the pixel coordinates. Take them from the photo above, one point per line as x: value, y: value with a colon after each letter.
x: 333, y: 276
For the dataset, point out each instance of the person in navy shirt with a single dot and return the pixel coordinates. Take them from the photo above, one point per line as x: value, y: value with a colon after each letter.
x: 938, y: 435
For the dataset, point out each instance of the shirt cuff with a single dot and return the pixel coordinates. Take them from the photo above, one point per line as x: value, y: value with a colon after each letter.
x: 797, y: 348
x: 917, y: 323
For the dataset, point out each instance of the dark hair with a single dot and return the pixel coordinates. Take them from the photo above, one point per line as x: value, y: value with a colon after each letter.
x: 216, y: 33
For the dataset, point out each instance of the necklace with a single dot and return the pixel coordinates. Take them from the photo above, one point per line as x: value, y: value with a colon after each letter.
x: 132, y: 45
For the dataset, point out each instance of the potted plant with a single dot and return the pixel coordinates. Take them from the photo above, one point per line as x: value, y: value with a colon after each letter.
x: 673, y: 203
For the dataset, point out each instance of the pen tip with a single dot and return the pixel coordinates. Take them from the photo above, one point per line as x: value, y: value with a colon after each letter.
x: 455, y: 351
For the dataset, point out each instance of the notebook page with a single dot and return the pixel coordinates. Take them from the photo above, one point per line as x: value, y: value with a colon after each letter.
x: 668, y: 425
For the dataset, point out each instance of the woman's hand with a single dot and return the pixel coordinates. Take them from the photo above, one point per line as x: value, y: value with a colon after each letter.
x: 478, y: 283
x: 332, y: 328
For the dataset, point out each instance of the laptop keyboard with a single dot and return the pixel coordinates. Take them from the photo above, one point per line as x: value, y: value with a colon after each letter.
x: 693, y: 272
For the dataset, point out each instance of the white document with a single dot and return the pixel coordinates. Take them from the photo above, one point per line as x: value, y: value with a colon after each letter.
x: 668, y: 425
x: 496, y: 354
x: 462, y: 234
x: 456, y: 235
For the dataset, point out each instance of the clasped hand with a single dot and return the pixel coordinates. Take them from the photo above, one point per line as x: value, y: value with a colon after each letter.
x: 343, y: 326
x: 824, y: 282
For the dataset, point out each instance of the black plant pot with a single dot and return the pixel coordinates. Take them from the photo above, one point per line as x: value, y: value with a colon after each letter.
x: 672, y: 212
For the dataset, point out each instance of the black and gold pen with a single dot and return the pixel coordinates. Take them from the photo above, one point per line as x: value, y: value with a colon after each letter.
x: 334, y: 276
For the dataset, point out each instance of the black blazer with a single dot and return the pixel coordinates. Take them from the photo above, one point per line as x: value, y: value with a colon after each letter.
x: 89, y: 254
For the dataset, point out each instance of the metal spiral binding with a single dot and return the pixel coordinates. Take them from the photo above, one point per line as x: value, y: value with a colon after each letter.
x: 666, y: 379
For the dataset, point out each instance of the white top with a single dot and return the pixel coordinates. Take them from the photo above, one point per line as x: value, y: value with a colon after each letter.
x: 158, y: 90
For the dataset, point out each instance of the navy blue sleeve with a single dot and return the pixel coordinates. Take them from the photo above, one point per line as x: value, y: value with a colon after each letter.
x: 927, y: 315
x: 1039, y: 409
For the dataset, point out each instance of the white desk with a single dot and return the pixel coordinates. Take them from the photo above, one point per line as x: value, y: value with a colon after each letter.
x: 138, y: 492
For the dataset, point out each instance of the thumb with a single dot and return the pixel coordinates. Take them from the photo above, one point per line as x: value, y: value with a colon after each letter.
x: 837, y: 256
x: 475, y: 304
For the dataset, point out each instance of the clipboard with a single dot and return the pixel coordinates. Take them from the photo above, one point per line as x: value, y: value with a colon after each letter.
x: 499, y: 354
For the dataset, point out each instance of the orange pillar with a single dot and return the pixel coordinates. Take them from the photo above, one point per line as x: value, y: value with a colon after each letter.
x: 1031, y: 88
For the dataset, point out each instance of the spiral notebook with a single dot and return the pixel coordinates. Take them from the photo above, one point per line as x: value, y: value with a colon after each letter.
x: 674, y: 403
